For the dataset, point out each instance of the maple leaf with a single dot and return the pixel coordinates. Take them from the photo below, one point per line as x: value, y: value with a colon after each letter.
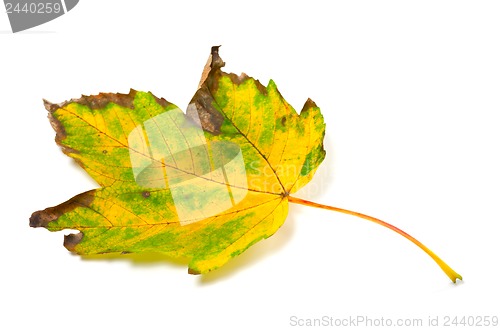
x: 202, y: 185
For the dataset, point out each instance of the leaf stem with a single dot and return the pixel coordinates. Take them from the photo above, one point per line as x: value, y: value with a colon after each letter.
x: 447, y: 269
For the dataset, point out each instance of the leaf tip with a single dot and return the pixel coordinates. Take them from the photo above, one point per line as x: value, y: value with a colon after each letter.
x: 309, y: 104
x: 217, y: 61
x: 193, y: 271
x: 49, y: 106
x: 42, y: 218
x: 214, y: 62
x: 71, y: 240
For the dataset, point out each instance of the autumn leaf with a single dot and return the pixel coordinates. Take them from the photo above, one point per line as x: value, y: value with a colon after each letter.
x: 203, y: 185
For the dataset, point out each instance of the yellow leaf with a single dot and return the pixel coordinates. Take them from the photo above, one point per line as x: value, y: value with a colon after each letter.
x: 204, y: 185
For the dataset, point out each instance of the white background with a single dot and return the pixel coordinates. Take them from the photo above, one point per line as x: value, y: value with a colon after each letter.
x: 410, y: 94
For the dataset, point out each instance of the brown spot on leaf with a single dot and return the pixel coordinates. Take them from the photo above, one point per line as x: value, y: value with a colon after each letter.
x: 44, y: 217
x: 51, y: 107
x: 202, y: 111
x: 193, y: 272
x: 283, y: 120
x: 238, y: 80
x: 97, y: 101
x: 71, y: 240
x: 102, y: 99
x: 55, y: 123
x: 146, y: 194
x: 161, y: 101
x: 58, y: 127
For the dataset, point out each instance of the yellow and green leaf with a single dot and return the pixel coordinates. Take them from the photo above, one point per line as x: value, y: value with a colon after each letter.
x: 204, y: 185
